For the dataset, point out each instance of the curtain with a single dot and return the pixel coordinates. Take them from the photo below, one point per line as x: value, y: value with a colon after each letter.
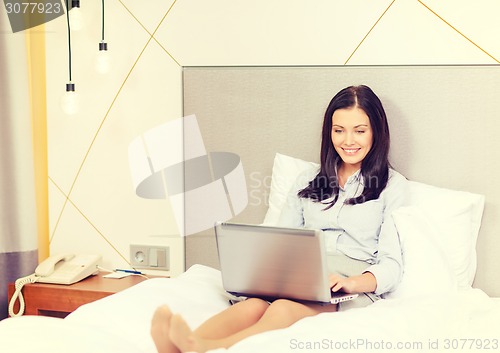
x: 23, y: 161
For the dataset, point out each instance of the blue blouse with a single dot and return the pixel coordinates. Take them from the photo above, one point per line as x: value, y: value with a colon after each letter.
x: 364, y: 231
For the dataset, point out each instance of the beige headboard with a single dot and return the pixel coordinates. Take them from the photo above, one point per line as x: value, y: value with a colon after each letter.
x: 445, y: 126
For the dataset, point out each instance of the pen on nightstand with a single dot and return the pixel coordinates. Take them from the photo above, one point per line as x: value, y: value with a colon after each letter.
x: 129, y: 271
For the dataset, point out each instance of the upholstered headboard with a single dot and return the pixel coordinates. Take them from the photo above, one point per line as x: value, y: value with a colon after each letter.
x: 444, y: 120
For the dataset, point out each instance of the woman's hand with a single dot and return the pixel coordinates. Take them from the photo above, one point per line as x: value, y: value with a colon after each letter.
x: 346, y: 284
x: 354, y: 284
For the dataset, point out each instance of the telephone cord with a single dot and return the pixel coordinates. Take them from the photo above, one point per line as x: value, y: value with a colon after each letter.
x: 20, y: 282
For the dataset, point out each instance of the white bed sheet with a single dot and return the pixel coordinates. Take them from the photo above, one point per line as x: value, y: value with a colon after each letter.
x: 465, y: 319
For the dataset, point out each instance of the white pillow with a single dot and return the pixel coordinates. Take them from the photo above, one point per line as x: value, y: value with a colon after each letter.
x: 456, y: 215
x: 426, y: 269
x: 285, y: 172
x: 457, y: 218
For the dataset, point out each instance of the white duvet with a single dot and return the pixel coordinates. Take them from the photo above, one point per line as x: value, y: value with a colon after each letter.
x: 465, y: 320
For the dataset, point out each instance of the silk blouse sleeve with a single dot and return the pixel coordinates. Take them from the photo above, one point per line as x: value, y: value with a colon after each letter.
x: 388, y: 268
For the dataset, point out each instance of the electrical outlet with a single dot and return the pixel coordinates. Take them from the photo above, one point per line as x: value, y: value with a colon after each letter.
x: 150, y: 256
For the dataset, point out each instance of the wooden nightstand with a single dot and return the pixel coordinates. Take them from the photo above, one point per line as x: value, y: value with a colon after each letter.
x: 58, y: 300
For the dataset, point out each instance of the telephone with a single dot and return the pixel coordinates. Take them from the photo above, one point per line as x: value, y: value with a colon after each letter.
x: 67, y: 268
x: 58, y: 269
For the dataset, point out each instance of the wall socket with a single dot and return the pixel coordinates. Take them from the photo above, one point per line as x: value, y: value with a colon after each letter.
x: 150, y: 256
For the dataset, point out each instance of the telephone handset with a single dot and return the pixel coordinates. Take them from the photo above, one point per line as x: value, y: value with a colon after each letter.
x: 58, y: 269
x: 45, y: 268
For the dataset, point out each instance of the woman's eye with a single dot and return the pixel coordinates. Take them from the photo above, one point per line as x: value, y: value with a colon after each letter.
x: 338, y: 131
x: 360, y: 131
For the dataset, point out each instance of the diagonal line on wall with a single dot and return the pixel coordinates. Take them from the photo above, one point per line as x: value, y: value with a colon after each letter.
x: 367, y: 34
x: 156, y: 29
x: 88, y: 221
x: 456, y: 30
x: 105, y: 118
x: 95, y: 137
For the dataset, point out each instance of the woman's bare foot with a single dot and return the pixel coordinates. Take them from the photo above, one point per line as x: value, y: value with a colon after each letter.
x: 182, y: 336
x: 160, y: 330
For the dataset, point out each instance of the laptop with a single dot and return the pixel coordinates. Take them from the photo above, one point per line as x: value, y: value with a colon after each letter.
x: 275, y: 262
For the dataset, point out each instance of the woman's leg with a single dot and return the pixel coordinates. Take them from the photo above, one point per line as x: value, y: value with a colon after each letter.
x: 280, y: 314
x: 234, y: 319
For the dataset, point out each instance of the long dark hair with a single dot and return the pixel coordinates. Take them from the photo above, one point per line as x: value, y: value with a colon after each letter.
x: 374, y: 167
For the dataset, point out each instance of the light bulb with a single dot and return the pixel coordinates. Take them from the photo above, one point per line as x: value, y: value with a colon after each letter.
x: 103, y: 59
x: 76, y: 19
x: 70, y: 100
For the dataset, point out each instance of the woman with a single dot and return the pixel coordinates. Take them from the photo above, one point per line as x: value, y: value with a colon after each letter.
x: 351, y: 199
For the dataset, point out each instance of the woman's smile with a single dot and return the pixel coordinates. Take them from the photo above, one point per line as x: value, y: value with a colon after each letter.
x: 352, y: 136
x: 351, y: 151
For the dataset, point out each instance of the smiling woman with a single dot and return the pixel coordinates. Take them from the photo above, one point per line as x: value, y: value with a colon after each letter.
x: 352, y: 138
x: 355, y: 136
x: 354, y: 182
x: 365, y: 261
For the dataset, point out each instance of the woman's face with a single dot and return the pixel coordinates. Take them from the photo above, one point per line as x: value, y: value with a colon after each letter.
x: 352, y: 135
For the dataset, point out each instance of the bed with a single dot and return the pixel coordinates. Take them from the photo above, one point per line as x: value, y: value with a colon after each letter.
x: 448, y: 297
x: 465, y: 320
x: 435, y: 306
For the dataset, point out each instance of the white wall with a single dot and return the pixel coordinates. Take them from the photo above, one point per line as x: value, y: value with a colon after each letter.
x: 93, y: 207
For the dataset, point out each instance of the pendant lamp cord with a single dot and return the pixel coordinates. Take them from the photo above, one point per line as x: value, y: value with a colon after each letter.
x: 102, y: 20
x: 69, y: 39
